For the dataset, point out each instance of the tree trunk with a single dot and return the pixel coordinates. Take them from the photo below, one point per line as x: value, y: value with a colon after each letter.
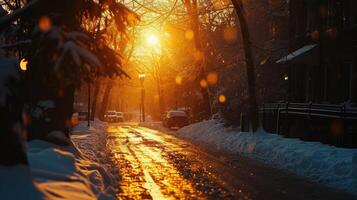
x: 95, y: 98
x: 105, y: 101
x: 191, y: 6
x: 253, y: 107
x: 62, y: 114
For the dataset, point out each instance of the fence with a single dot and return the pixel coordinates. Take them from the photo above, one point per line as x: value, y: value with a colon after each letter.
x: 345, y: 113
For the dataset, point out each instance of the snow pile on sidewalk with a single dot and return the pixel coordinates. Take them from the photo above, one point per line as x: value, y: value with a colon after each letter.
x: 16, y: 183
x: 56, y: 172
x: 335, y: 167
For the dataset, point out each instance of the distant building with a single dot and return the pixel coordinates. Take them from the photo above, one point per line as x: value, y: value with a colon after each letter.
x: 272, y: 77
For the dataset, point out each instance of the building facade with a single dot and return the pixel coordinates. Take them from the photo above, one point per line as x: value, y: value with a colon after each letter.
x: 326, y: 72
x: 321, y: 72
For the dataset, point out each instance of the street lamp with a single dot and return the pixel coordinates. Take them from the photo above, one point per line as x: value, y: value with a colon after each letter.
x: 142, y: 109
x: 88, y: 108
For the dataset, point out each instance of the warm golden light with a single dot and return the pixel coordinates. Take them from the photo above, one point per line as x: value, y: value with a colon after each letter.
x: 222, y: 98
x: 212, y: 78
x: 203, y: 83
x: 141, y: 75
x: 23, y: 64
x: 44, y: 23
x: 152, y: 40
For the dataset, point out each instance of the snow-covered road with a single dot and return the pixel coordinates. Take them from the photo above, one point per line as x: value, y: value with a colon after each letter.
x: 158, y: 165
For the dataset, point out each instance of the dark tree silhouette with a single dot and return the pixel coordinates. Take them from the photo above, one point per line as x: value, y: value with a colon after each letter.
x: 249, y: 61
x: 63, y: 50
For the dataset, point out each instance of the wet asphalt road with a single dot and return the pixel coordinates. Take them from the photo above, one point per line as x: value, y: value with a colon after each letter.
x: 157, y: 165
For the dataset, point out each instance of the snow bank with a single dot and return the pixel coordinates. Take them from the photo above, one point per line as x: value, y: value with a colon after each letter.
x: 332, y: 166
x: 56, y: 172
x: 16, y: 183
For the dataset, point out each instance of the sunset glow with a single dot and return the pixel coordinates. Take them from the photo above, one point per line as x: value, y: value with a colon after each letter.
x: 152, y: 40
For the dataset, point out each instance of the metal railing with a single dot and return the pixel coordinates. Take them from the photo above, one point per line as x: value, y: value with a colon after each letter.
x: 342, y: 111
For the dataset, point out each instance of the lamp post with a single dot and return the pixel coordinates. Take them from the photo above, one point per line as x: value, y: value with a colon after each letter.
x: 88, y: 105
x: 142, y: 109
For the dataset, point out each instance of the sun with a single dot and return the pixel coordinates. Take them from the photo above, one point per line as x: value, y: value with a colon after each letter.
x: 152, y: 40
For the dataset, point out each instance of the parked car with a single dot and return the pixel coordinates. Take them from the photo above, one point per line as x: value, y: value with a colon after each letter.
x: 120, y: 117
x: 111, y: 116
x: 175, y: 118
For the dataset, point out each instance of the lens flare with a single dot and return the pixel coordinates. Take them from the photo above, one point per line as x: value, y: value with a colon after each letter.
x: 222, y: 98
x: 44, y: 24
x: 178, y: 80
x: 212, y: 78
x: 203, y: 83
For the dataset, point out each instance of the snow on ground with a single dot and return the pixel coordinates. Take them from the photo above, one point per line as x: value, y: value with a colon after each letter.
x: 79, y: 172
x: 16, y: 183
x: 332, y: 166
x: 91, y: 143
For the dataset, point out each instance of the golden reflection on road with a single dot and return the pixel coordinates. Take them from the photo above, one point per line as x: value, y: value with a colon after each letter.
x: 146, y: 172
x: 157, y: 165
